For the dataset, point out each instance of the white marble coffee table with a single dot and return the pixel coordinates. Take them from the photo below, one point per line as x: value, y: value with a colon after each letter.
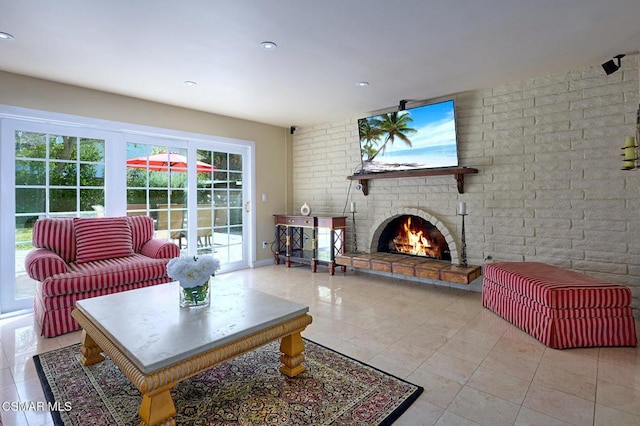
x: 157, y: 344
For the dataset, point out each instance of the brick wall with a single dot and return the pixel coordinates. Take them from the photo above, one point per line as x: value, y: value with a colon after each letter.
x: 549, y: 186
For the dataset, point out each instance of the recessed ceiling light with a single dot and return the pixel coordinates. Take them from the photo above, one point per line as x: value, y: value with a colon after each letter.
x: 268, y: 45
x: 190, y: 83
x: 6, y: 36
x: 362, y: 83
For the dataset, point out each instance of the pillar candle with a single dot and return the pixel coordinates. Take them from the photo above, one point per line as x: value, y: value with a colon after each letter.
x: 629, y: 141
x: 353, y: 207
x: 463, y: 208
x: 630, y: 153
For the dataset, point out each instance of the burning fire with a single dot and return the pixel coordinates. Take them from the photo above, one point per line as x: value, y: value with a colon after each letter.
x: 414, y: 242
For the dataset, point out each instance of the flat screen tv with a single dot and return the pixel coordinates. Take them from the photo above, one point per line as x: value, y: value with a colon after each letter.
x: 423, y: 137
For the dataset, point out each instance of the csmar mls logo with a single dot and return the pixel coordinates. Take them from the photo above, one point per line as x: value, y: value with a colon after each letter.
x: 35, y: 406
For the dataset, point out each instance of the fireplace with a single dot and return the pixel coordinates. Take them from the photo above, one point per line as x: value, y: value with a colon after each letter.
x: 413, y: 235
x: 435, y: 242
x: 412, y: 243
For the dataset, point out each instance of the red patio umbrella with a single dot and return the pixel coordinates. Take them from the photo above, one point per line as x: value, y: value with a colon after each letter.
x: 167, y: 162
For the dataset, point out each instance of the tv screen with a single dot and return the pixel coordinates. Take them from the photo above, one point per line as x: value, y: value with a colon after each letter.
x: 423, y: 137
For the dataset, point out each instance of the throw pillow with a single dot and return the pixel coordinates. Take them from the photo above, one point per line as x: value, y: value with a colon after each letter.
x: 102, y: 238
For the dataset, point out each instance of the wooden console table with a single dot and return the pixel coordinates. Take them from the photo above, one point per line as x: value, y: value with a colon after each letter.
x: 310, y: 239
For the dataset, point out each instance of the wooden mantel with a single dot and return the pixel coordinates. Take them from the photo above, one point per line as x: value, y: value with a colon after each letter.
x: 458, y: 172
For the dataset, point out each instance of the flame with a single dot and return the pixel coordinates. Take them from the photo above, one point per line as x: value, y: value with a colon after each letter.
x: 412, y: 242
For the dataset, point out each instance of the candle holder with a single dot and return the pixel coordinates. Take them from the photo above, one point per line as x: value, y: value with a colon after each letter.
x: 630, y: 154
x: 631, y: 150
x: 463, y: 251
x: 355, y: 239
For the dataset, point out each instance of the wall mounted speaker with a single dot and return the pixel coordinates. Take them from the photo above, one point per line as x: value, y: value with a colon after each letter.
x: 611, y: 66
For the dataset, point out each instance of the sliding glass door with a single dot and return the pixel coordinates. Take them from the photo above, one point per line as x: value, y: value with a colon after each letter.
x: 197, y: 191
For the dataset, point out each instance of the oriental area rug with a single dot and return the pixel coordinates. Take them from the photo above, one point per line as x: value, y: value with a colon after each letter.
x: 248, y: 390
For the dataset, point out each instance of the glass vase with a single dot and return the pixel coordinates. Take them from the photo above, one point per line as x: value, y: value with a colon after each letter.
x: 193, y: 297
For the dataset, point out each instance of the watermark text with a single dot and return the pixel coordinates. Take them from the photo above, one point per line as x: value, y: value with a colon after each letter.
x: 36, y: 406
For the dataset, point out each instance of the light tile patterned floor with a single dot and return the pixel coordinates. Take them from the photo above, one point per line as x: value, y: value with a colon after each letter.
x: 475, y: 367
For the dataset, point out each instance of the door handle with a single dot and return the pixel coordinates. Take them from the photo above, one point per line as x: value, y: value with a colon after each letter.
x: 246, y: 207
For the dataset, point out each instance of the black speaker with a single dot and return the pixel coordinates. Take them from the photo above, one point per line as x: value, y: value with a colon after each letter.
x: 292, y: 129
x: 610, y: 67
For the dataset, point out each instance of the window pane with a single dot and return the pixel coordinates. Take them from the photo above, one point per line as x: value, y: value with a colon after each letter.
x: 158, y: 197
x: 220, y: 160
x: 31, y: 172
x: 30, y: 200
x: 221, y: 217
x: 158, y: 179
x: 235, y: 199
x: 63, y: 147
x: 177, y: 180
x: 24, y: 230
x: 30, y: 145
x: 136, y: 196
x: 205, y: 217
x: 91, y: 174
x: 91, y: 149
x: 235, y: 162
x: 204, y: 182
x: 235, y: 180
x: 235, y: 216
x: 178, y: 197
x: 220, y: 198
x: 90, y: 198
x: 136, y: 178
x: 204, y: 196
x: 24, y: 224
x: 221, y: 237
x: 62, y: 174
x: 63, y: 200
x: 220, y: 179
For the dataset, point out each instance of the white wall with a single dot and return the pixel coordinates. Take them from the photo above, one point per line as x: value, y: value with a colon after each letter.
x: 549, y: 186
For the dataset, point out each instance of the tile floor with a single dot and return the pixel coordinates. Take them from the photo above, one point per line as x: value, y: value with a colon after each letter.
x: 476, y: 368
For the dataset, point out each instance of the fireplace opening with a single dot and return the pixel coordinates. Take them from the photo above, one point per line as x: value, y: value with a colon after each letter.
x: 413, y: 235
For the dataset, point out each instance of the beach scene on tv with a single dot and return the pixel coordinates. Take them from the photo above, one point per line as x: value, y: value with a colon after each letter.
x: 417, y: 138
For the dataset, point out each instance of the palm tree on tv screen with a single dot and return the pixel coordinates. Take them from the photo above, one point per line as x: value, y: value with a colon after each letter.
x: 369, y: 138
x: 395, y: 126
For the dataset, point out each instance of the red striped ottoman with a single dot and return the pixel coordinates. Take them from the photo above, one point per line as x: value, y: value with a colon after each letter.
x: 561, y: 308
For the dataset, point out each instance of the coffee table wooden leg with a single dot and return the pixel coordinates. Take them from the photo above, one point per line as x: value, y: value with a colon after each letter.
x: 292, y: 348
x: 158, y: 408
x: 91, y: 352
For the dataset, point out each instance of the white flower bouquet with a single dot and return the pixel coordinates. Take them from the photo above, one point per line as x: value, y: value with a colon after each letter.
x: 192, y: 271
x: 193, y: 274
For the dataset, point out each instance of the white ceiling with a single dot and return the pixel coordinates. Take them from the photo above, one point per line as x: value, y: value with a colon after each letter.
x: 405, y: 49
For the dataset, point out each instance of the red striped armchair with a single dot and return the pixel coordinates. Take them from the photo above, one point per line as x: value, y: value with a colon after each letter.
x: 78, y: 258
